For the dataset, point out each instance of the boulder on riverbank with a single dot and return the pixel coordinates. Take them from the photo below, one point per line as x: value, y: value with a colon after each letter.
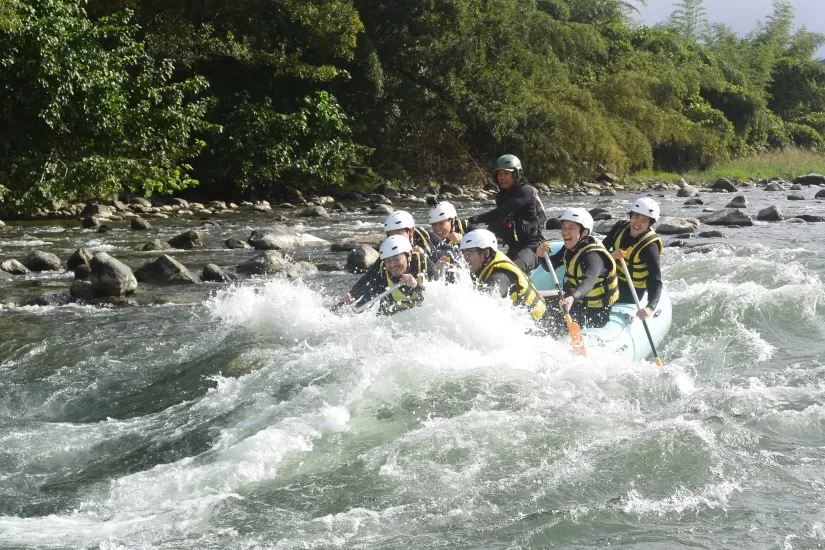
x: 770, y: 214
x: 14, y: 267
x: 724, y: 185
x: 810, y: 179
x: 186, y: 240
x: 111, y: 277
x: 361, y: 258
x: 728, y: 217
x: 37, y: 260
x: 164, y: 270
x: 269, y: 262
x: 676, y: 226
x: 81, y: 256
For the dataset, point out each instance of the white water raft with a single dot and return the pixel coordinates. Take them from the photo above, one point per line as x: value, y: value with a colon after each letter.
x: 624, y: 333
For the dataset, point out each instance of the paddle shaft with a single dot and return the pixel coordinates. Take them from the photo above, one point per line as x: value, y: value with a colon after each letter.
x: 639, y: 308
x: 576, y: 339
x: 381, y: 296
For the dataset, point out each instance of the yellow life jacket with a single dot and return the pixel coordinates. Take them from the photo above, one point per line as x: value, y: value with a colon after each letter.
x: 525, y: 294
x: 460, y: 226
x: 606, y: 291
x: 398, y: 300
x: 638, y: 269
x: 422, y: 238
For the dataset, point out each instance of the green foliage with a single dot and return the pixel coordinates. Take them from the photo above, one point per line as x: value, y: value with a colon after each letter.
x: 262, y: 147
x: 689, y: 20
x: 87, y: 112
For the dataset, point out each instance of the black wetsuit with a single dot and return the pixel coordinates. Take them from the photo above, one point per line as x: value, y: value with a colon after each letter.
x: 517, y: 222
x: 649, y: 256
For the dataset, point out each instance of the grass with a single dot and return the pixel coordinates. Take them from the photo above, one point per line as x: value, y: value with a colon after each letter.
x: 781, y: 164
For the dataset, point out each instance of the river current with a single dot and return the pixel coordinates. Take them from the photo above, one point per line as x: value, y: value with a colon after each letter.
x: 248, y: 416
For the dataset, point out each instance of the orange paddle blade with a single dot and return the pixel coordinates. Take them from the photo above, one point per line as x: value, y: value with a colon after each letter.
x: 658, y: 361
x: 576, y: 338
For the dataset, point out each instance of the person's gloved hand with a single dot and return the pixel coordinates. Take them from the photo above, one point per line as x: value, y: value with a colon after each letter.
x: 566, y: 303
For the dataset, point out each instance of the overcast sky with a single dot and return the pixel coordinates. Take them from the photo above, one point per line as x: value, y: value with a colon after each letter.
x: 741, y: 15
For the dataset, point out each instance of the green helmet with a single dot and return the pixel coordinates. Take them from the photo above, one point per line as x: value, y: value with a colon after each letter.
x: 509, y: 162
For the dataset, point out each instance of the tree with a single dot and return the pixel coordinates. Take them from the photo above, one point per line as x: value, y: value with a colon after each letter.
x: 689, y: 20
x: 87, y: 112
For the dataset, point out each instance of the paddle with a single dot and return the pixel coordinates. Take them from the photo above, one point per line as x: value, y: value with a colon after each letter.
x: 639, y: 308
x: 384, y: 294
x: 576, y: 338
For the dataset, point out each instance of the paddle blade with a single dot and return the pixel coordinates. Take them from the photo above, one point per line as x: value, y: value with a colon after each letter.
x: 658, y: 362
x: 576, y: 338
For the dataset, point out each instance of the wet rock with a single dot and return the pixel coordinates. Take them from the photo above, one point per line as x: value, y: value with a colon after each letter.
x: 694, y: 202
x: 165, y: 270
x: 329, y: 267
x: 183, y: 204
x: 261, y: 208
x: 100, y: 210
x: 217, y: 205
x: 810, y: 179
x: 269, y: 262
x: 14, y: 267
x: 186, y: 240
x: 314, y: 212
x: 820, y: 194
x: 770, y: 214
x: 37, y: 260
x: 2, y: 224
x: 82, y: 288
x: 711, y: 235
x: 338, y: 207
x: 796, y: 197
x: 139, y: 224
x: 82, y: 272
x: 5, y: 277
x: 301, y: 269
x: 213, y: 273
x: 361, y: 258
x: 50, y: 300
x: 738, y: 202
x: 724, y: 185
x: 601, y: 214
x: 81, y: 256
x: 140, y: 201
x: 450, y: 188
x: 552, y: 223
x: 687, y: 191
x: 92, y: 221
x: 111, y: 277
x: 728, y: 217
x: 103, y: 229
x: 608, y: 177
x: 286, y: 206
x: 676, y: 243
x: 382, y: 209
x: 811, y: 218
x: 796, y: 187
x: 285, y: 242
x: 774, y: 187
x: 675, y: 226
x: 291, y: 194
x: 234, y: 244
x: 379, y: 199
x: 157, y: 244
x: 347, y: 243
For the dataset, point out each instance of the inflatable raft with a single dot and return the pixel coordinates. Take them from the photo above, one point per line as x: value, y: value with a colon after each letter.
x: 624, y: 334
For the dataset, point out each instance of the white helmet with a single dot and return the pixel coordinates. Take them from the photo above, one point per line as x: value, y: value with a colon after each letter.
x: 393, y: 246
x: 400, y: 219
x: 479, y: 238
x: 442, y: 211
x: 646, y: 207
x: 580, y: 216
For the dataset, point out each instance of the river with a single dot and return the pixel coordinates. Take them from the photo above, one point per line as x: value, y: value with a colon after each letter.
x: 249, y: 416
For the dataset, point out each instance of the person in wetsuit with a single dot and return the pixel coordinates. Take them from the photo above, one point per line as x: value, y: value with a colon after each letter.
x: 492, y: 270
x: 398, y: 263
x: 635, y: 241
x: 591, y: 285
x: 519, y: 214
